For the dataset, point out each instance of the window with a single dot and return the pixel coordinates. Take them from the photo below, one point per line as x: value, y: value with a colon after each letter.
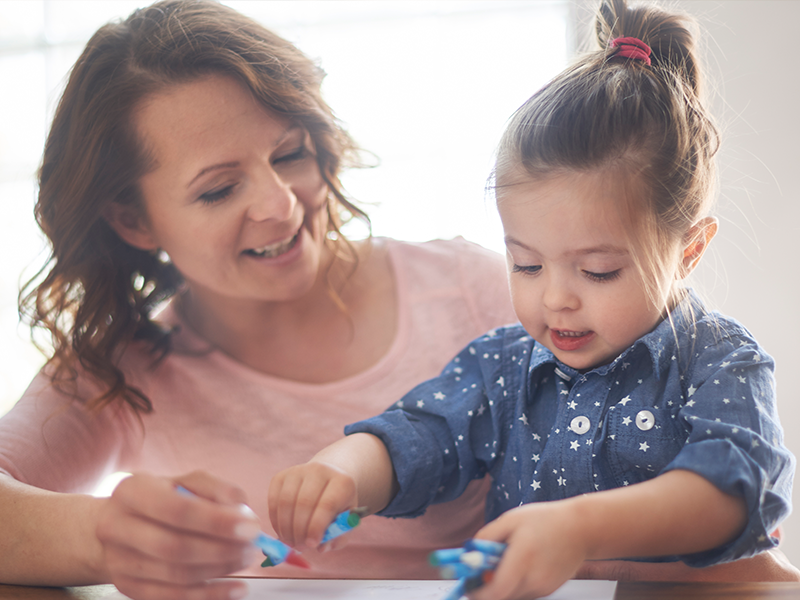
x: 424, y: 85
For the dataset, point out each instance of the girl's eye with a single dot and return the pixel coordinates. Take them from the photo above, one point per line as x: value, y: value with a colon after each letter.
x: 603, y: 277
x: 298, y: 154
x: 217, y: 195
x: 529, y: 270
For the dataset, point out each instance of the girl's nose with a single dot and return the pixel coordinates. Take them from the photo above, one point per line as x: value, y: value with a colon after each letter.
x: 273, y: 198
x: 558, y: 295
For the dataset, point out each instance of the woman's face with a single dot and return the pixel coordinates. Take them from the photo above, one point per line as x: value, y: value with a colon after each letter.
x: 236, y: 198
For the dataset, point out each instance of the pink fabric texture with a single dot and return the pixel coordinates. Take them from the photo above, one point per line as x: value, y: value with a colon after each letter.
x: 213, y: 413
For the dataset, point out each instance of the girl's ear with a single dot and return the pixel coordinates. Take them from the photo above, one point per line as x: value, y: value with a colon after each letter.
x: 697, y: 240
x: 130, y: 226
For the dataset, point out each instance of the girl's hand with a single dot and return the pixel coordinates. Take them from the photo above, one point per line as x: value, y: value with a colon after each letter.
x: 158, y: 543
x: 545, y: 549
x: 305, y: 499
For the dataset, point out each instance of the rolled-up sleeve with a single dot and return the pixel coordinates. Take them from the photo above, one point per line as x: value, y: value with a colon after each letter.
x: 435, y: 434
x: 735, y: 442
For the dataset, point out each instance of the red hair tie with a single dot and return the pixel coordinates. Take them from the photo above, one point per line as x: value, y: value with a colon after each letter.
x: 631, y: 47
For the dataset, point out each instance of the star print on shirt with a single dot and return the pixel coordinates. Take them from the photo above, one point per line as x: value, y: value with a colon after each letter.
x: 643, y: 446
x: 439, y: 396
x: 524, y: 420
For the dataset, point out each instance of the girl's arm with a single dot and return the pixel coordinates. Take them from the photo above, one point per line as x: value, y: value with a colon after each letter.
x: 305, y: 499
x: 147, y: 539
x: 675, y: 513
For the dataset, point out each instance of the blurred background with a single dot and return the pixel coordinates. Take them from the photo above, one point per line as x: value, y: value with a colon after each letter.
x: 426, y: 87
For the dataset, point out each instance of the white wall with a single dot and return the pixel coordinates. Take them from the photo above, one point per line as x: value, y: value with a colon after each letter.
x: 753, y: 273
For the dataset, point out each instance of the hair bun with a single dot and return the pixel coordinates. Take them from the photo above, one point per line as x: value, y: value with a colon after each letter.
x: 670, y: 36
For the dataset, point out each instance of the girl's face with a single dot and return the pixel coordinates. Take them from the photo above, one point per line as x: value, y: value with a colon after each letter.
x: 236, y: 198
x: 574, y: 284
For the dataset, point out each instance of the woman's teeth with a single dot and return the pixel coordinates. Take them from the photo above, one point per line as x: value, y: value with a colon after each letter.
x: 273, y: 250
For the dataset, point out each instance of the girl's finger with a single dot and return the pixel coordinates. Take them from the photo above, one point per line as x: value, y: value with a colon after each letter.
x: 308, y: 524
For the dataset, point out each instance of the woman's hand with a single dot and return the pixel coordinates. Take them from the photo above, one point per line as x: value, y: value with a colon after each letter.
x: 158, y: 543
x: 545, y: 549
x: 305, y: 499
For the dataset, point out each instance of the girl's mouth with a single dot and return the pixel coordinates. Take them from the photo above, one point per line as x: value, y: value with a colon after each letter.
x: 275, y: 249
x: 568, y: 341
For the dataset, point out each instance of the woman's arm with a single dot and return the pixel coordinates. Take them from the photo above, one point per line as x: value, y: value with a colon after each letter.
x: 147, y: 539
x: 48, y: 538
x: 676, y: 513
x: 305, y: 499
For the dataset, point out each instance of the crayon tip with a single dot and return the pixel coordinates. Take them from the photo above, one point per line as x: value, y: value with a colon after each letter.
x: 267, y: 562
x: 293, y: 558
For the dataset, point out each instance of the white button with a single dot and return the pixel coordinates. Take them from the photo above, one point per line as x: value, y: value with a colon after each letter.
x: 645, y: 420
x: 580, y: 425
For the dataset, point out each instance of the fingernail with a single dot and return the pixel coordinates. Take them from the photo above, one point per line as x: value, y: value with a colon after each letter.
x: 246, y: 530
x: 246, y: 511
x: 238, y: 592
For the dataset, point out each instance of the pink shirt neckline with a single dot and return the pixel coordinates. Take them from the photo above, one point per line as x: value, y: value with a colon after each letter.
x: 367, y: 377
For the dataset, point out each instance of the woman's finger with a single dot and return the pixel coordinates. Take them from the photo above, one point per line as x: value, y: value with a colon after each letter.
x: 143, y: 589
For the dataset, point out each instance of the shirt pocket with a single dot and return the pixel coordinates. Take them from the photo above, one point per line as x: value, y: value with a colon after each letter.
x: 640, y: 442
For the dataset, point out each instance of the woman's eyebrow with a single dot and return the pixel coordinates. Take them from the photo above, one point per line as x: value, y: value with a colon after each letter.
x: 291, y: 129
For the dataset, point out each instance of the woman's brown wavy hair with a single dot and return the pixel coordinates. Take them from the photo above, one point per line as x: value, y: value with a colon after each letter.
x: 95, y: 294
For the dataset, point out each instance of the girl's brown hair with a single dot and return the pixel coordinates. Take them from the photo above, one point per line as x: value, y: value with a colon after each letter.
x: 95, y: 294
x: 646, y: 123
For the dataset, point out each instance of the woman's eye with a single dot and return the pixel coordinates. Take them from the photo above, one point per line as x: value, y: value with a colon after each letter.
x: 529, y: 270
x: 217, y: 195
x: 298, y: 154
x: 603, y: 277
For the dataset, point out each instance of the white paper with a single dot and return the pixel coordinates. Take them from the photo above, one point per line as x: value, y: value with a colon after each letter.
x: 381, y: 589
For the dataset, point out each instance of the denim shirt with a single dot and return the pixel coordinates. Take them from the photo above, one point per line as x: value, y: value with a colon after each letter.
x: 699, y: 397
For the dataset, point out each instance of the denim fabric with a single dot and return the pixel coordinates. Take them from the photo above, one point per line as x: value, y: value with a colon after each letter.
x: 699, y: 397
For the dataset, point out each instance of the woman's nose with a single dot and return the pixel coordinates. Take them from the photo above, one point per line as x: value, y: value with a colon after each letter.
x: 273, y: 198
x: 558, y: 295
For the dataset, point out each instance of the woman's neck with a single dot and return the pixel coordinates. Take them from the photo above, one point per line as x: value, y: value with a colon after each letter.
x: 340, y: 327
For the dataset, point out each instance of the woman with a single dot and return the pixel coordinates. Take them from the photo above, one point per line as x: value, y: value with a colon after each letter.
x: 192, y: 158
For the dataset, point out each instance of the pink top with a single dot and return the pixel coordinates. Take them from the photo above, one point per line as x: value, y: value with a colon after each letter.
x: 213, y: 413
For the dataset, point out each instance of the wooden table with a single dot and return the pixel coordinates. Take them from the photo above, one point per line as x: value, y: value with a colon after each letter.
x: 572, y: 591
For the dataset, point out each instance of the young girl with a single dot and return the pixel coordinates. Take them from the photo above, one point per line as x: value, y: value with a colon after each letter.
x: 621, y: 418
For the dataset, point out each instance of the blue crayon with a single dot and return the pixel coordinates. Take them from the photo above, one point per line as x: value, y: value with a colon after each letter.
x: 343, y: 523
x: 458, y: 571
x: 445, y: 556
x: 485, y: 546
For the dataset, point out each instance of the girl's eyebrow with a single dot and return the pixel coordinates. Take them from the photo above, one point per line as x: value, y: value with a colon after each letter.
x: 601, y: 249
x: 228, y: 165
